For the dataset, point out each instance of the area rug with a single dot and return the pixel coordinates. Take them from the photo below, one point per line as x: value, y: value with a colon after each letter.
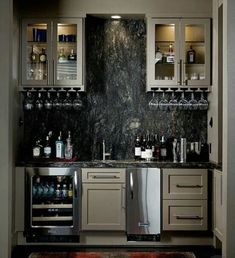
x: 113, y: 255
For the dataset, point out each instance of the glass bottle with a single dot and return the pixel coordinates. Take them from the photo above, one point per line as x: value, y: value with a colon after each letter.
x: 68, y: 147
x: 37, y: 150
x: 43, y: 56
x: 137, y: 148
x: 191, y: 56
x: 59, y: 147
x: 163, y: 151
x: 61, y: 57
x: 70, y: 191
x: 33, y: 55
x: 72, y: 56
x: 47, y: 148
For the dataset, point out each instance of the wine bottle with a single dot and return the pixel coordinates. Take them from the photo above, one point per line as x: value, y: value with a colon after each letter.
x: 191, y: 55
x: 143, y: 148
x: 163, y: 150
x: 137, y: 148
x: 148, y: 149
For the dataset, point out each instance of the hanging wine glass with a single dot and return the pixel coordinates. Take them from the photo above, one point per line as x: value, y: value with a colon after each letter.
x: 48, y: 102
x: 203, y: 103
x: 183, y: 103
x: 28, y: 101
x: 153, y: 103
x: 193, y: 104
x: 77, y: 103
x: 57, y: 103
x: 39, y: 102
x: 173, y: 103
x: 163, y: 103
x: 67, y: 103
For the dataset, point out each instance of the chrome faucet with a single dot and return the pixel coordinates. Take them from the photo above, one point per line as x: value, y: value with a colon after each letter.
x: 104, y: 154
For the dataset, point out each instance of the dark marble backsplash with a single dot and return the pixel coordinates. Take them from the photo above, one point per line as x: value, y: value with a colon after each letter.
x: 115, y: 102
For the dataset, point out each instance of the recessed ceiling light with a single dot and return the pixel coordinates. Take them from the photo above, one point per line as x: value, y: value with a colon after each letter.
x: 116, y: 17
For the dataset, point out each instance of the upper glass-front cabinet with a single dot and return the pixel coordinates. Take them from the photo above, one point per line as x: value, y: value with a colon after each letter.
x: 178, y: 53
x: 52, y: 53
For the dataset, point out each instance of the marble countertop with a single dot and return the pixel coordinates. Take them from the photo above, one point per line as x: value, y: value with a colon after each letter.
x: 114, y: 164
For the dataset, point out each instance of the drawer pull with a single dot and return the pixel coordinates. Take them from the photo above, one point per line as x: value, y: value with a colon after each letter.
x: 189, y: 186
x: 105, y: 177
x: 188, y: 217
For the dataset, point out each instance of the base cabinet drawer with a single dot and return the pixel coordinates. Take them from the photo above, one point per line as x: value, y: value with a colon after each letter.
x: 184, y: 215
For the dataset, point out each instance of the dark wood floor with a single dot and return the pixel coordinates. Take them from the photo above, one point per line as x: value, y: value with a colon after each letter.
x: 199, y: 251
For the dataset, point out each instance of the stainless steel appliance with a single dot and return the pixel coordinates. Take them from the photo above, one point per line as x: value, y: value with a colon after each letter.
x: 143, y: 204
x: 52, y: 204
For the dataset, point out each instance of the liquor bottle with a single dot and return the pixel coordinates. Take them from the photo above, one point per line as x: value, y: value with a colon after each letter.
x: 137, y: 148
x: 143, y: 148
x: 148, y: 149
x: 64, y: 191
x: 69, y: 147
x: 33, y: 56
x: 157, y: 152
x: 61, y: 57
x: 163, y: 151
x: 37, y: 150
x: 72, y: 56
x: 170, y: 54
x: 43, y: 56
x: 58, y: 191
x: 70, y: 191
x: 47, y: 148
x: 59, y: 147
x: 191, y: 56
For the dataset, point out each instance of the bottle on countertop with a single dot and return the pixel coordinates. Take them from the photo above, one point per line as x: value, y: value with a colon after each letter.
x: 59, y: 147
x: 191, y: 56
x: 47, y: 148
x: 157, y: 151
x: 37, y: 149
x: 163, y: 149
x: 137, y: 148
x: 68, y: 147
x: 143, y: 147
x: 148, y: 149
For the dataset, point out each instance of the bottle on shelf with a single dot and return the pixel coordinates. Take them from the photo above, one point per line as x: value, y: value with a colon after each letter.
x: 137, y: 148
x: 70, y: 191
x: 170, y: 55
x: 47, y: 148
x: 33, y: 55
x: 69, y: 147
x: 163, y: 150
x: 61, y: 57
x: 59, y: 147
x: 64, y: 191
x: 43, y: 56
x: 58, y: 191
x: 191, y: 56
x: 72, y: 56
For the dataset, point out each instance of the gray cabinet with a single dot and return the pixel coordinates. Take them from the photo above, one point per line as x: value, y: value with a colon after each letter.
x: 168, y: 61
x: 52, y: 53
x: 103, y: 199
x: 185, y: 199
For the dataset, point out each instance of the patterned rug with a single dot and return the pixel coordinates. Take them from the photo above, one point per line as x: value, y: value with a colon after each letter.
x: 113, y: 255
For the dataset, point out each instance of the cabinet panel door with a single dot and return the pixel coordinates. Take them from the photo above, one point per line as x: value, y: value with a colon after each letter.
x: 36, y: 52
x: 218, y: 209
x: 68, y: 52
x: 103, y: 207
x: 195, y: 51
x: 163, y: 52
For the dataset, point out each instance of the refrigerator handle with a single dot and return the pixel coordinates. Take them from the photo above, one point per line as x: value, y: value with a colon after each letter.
x: 131, y: 186
x: 75, y: 184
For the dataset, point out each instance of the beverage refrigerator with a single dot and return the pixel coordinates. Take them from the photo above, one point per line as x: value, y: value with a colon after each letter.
x: 53, y: 201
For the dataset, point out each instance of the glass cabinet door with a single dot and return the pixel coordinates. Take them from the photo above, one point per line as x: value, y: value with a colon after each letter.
x: 35, y: 51
x: 68, y: 52
x: 196, y: 52
x: 164, y: 51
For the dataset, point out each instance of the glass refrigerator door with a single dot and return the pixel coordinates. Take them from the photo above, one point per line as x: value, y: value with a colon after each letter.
x: 35, y: 53
x: 52, y: 201
x: 196, y: 53
x: 68, y: 53
x: 166, y: 53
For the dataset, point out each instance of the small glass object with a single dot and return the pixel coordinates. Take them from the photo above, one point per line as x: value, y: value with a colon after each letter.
x: 57, y: 103
x: 173, y: 104
x: 163, y: 103
x: 153, y: 103
x: 39, y: 102
x: 203, y: 103
x: 193, y: 104
x: 48, y: 102
x: 183, y: 103
x: 77, y: 103
x: 67, y: 103
x: 28, y: 103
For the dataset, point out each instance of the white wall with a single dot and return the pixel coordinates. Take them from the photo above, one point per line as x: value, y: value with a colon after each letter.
x: 6, y: 15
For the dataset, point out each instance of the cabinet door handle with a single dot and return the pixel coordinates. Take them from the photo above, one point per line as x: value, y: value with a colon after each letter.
x: 185, y: 82
x: 76, y: 184
x: 123, y: 197
x: 131, y: 186
x: 189, y: 186
x: 54, y: 72
x: 105, y: 177
x: 221, y: 190
x: 188, y: 217
x: 48, y: 73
